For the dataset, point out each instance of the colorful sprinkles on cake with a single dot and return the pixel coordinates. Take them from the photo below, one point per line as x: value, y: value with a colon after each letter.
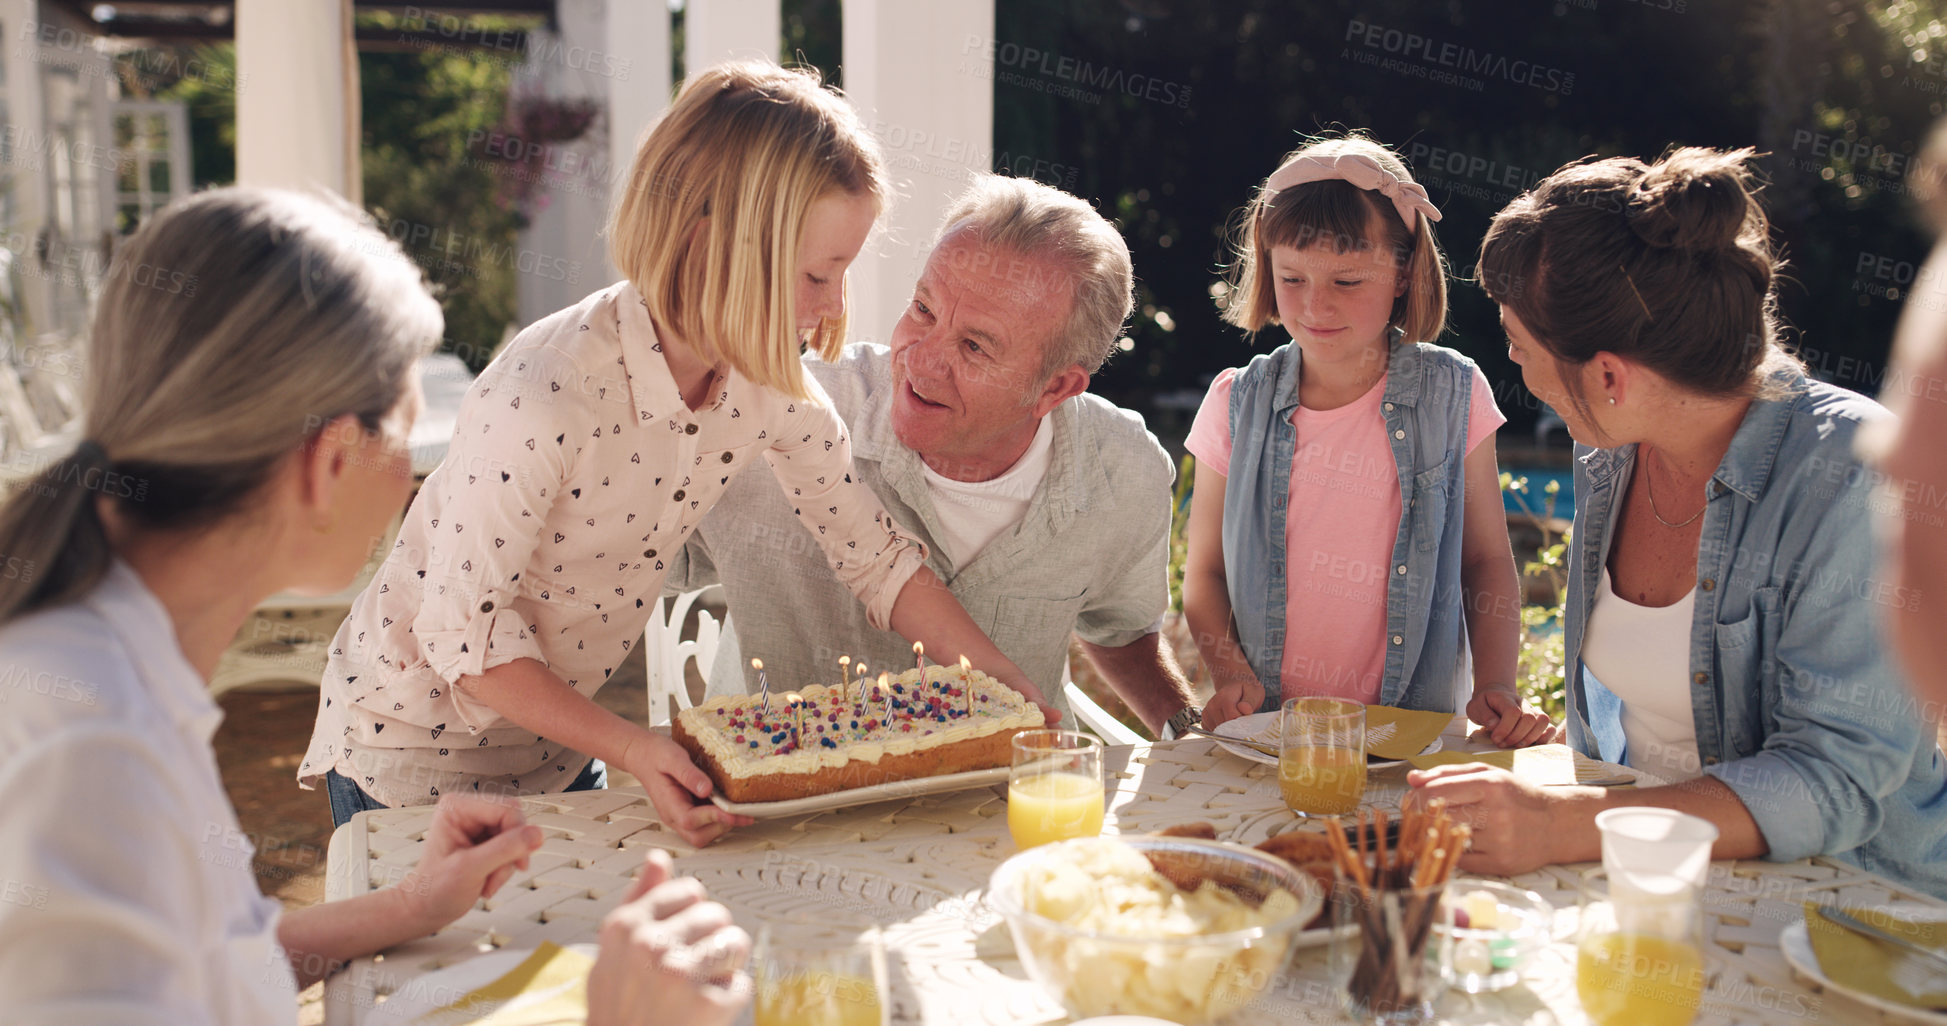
x: 830, y: 718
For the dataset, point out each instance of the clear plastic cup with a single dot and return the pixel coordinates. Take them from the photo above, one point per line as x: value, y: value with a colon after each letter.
x: 1650, y: 850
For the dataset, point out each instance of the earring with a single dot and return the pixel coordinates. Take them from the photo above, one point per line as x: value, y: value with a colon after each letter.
x: 1612, y: 400
x: 332, y: 520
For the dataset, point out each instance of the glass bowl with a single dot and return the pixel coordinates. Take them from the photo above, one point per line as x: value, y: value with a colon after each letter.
x: 1482, y: 958
x: 1185, y: 978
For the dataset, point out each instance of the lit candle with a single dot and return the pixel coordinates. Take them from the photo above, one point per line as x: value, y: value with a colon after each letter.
x: 919, y: 662
x: 885, y: 692
x: 764, y: 684
x: 860, y: 667
x: 966, y: 682
x: 796, y: 702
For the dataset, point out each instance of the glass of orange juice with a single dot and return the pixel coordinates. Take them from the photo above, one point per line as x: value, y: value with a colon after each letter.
x: 1054, y: 791
x: 821, y: 971
x: 1322, y: 755
x: 1639, y: 953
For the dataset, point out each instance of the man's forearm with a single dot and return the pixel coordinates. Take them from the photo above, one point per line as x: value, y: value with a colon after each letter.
x: 1144, y: 674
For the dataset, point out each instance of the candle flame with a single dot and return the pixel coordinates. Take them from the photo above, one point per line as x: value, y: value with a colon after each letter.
x: 919, y: 648
x: 966, y: 665
x: 757, y: 664
x: 793, y: 697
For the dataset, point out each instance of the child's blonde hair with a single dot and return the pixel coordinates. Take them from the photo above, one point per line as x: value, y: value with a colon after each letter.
x: 1339, y: 214
x: 708, y: 228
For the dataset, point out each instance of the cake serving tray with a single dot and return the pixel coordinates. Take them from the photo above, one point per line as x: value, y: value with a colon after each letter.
x: 864, y: 795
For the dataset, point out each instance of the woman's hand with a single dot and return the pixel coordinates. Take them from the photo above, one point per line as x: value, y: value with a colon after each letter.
x: 473, y: 845
x: 1518, y: 825
x: 679, y: 791
x: 668, y: 956
x: 1236, y: 697
x: 1506, y: 723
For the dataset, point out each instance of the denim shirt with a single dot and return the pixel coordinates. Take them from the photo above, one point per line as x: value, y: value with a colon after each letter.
x: 1426, y: 406
x: 1800, y: 708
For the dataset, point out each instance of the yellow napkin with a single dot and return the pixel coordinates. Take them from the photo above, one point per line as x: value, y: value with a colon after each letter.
x: 1397, y: 733
x: 1543, y: 764
x: 1865, y: 963
x: 550, y: 988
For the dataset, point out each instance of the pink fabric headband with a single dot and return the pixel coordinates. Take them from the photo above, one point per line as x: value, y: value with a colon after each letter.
x: 1362, y: 171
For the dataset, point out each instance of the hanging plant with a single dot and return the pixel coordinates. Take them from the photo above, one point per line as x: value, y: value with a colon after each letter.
x: 532, y: 151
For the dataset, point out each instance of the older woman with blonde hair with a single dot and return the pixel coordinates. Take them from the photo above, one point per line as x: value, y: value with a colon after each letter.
x: 244, y: 434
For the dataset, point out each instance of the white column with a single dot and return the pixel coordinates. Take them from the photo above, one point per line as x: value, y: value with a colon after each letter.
x: 715, y: 31
x: 638, y: 36
x: 297, y: 95
x: 917, y: 71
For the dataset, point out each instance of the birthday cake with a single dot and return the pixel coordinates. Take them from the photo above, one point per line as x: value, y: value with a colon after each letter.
x: 768, y: 749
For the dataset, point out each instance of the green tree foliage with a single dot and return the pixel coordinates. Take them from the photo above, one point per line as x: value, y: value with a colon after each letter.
x: 432, y: 184
x: 1839, y: 93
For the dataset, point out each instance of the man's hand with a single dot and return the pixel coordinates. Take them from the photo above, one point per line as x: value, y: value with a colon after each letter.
x: 668, y: 955
x: 473, y: 845
x: 1516, y: 823
x: 1502, y: 718
x: 680, y: 791
x: 1033, y: 694
x: 1237, y: 697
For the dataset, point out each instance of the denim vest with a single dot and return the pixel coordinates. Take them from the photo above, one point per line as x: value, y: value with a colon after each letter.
x: 1800, y: 707
x: 1426, y: 404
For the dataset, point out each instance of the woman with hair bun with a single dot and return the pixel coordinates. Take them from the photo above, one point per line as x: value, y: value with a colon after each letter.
x: 242, y: 437
x: 1721, y: 615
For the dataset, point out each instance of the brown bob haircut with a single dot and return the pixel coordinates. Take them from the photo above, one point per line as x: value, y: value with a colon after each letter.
x: 1338, y: 214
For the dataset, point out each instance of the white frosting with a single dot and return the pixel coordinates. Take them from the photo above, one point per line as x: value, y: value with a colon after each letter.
x: 717, y: 723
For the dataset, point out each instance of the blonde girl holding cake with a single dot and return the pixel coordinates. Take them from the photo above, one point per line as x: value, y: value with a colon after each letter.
x: 587, y: 451
x: 1346, y: 532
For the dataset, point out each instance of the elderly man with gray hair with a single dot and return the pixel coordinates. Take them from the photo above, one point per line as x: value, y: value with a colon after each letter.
x: 1044, y: 509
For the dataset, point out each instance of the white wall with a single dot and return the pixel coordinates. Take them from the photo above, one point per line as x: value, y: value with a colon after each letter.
x: 906, y: 68
x: 715, y: 31
x: 297, y: 95
x: 615, y: 52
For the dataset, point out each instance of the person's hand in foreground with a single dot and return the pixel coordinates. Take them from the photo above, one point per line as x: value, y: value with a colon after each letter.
x: 668, y: 955
x: 473, y: 845
x: 1503, y: 720
x: 1513, y: 819
x: 1237, y: 697
x: 679, y: 790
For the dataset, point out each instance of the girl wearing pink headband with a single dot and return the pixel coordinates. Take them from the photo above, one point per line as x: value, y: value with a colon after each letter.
x: 1346, y: 532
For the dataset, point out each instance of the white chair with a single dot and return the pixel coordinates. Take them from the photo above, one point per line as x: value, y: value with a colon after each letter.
x: 1096, y: 720
x: 665, y: 651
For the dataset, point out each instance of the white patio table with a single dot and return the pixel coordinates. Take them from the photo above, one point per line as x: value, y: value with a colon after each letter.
x: 922, y: 865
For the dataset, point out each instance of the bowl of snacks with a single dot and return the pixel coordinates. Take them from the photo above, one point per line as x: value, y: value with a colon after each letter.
x: 1487, y: 931
x: 1178, y: 928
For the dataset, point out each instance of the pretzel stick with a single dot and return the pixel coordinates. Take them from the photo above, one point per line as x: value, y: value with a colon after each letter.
x: 1381, y: 869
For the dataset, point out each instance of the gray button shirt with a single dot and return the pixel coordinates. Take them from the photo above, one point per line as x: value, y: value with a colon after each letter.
x: 1089, y: 557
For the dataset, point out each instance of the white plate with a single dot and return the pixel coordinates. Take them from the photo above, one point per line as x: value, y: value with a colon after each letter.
x: 441, y: 987
x: 1263, y: 728
x: 865, y: 795
x: 1796, y: 945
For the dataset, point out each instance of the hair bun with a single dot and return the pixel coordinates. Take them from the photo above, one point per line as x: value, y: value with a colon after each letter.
x: 1695, y: 199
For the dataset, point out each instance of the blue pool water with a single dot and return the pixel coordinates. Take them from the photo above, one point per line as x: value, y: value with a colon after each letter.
x: 1537, y: 499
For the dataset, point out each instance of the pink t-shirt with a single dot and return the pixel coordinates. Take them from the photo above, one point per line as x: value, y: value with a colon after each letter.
x: 1345, y: 508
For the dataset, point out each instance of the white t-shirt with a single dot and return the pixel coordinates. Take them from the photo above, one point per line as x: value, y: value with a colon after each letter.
x: 126, y: 895
x: 974, y: 513
x: 1642, y: 655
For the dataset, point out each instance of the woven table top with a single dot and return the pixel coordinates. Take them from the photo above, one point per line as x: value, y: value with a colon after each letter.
x: 922, y: 864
